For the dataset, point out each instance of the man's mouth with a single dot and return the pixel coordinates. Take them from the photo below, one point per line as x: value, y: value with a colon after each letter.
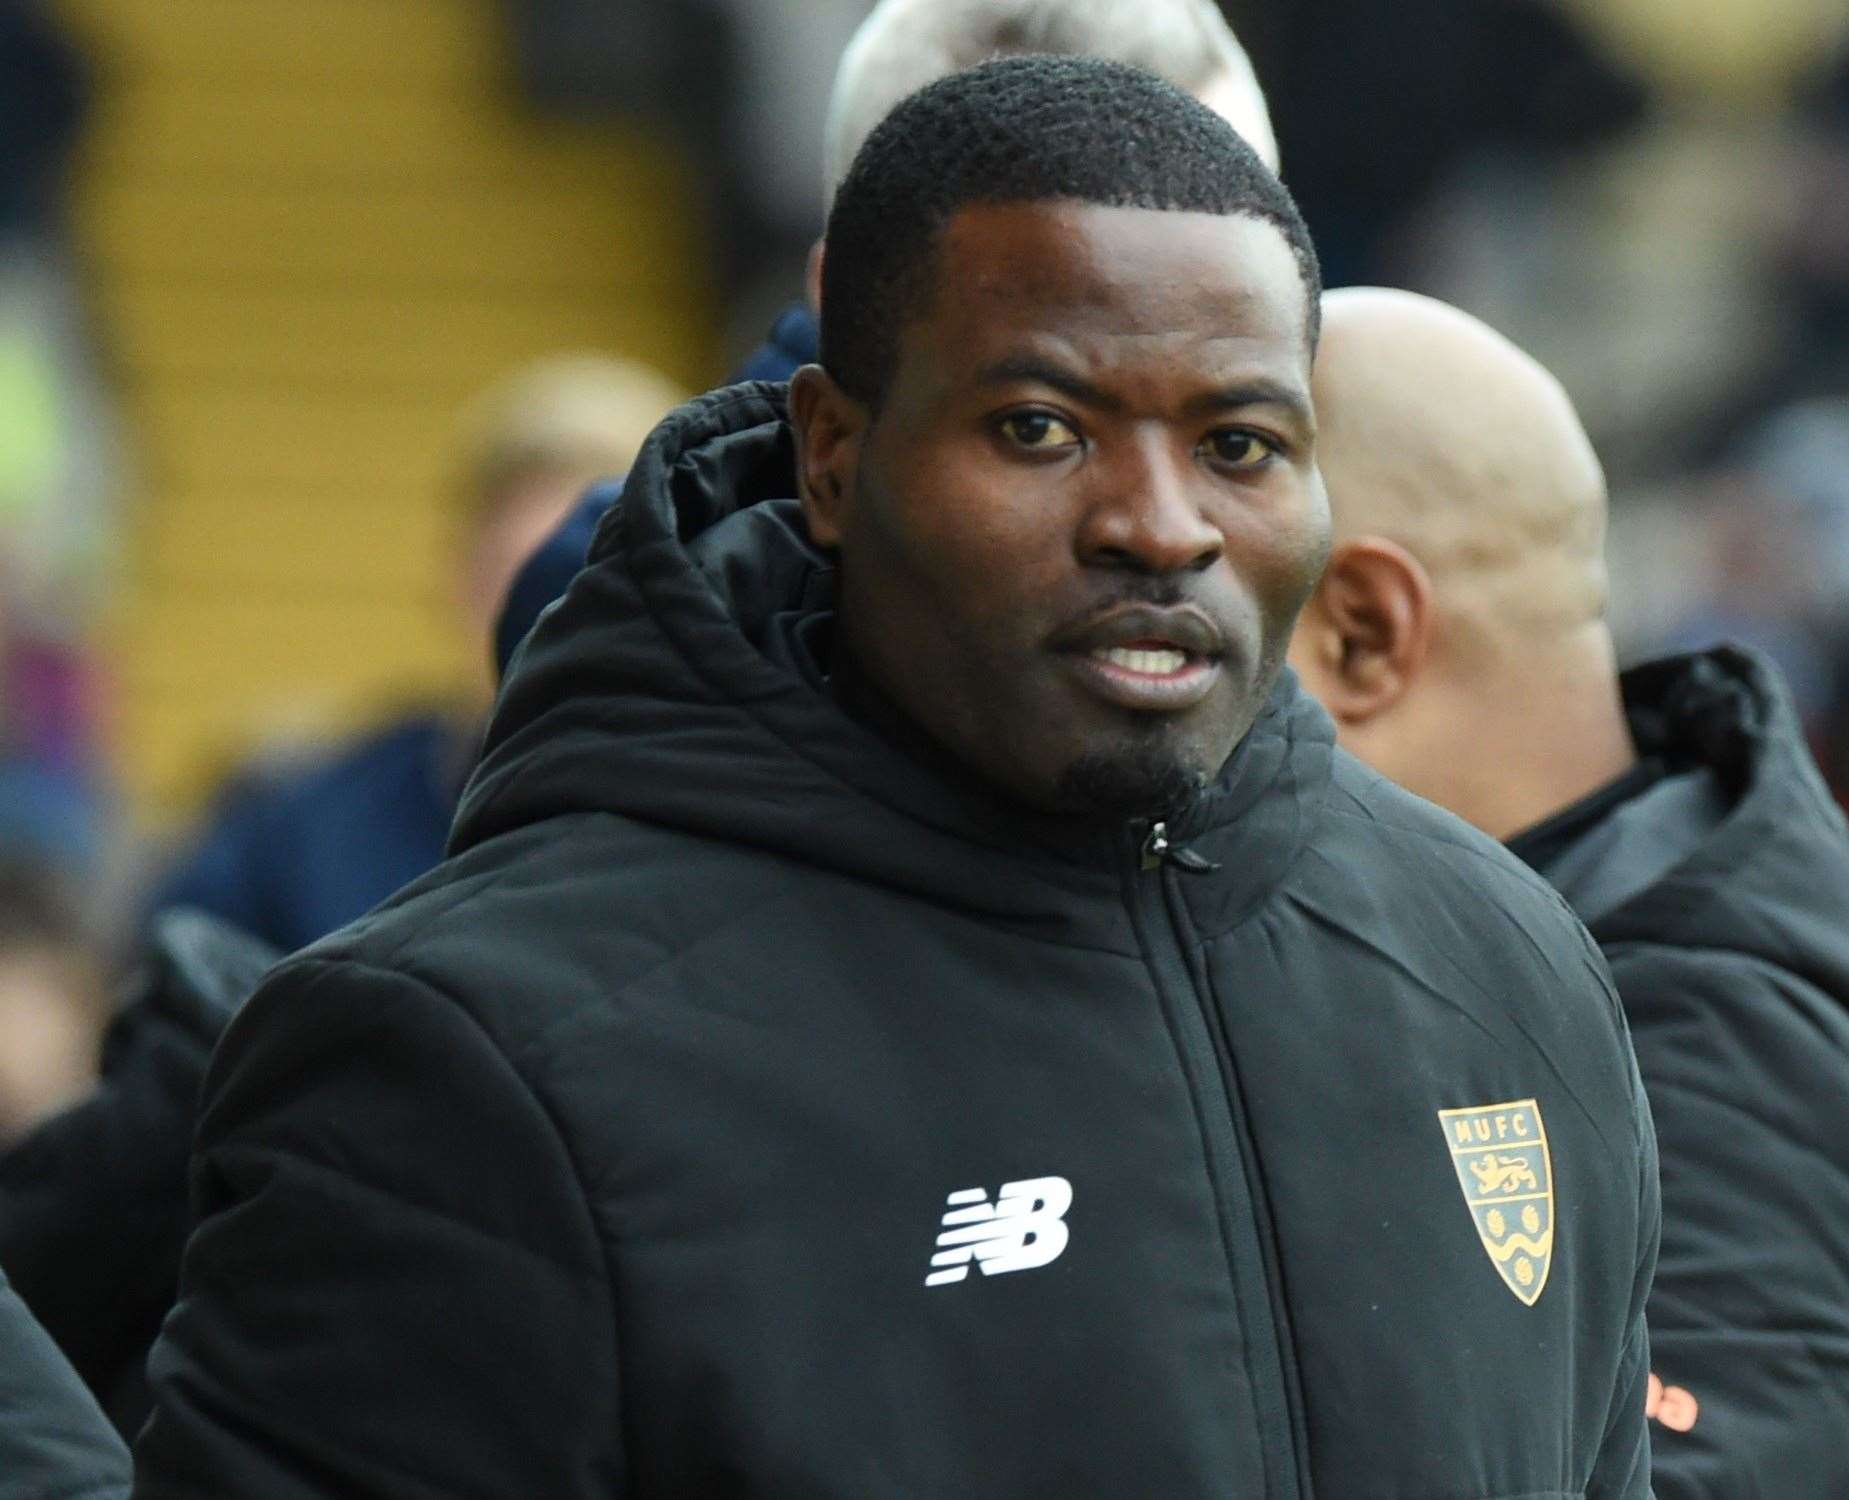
x: 1153, y: 660
x: 1149, y: 676
x: 1148, y: 659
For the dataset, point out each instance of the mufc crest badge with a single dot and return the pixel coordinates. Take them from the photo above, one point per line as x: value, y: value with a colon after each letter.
x: 1499, y: 1152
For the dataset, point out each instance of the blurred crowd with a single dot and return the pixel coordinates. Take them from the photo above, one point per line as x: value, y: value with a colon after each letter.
x: 1652, y: 199
x: 1665, y: 228
x: 1662, y: 217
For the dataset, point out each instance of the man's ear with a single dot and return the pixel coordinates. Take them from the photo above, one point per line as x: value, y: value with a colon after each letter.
x: 829, y: 425
x: 1366, y: 634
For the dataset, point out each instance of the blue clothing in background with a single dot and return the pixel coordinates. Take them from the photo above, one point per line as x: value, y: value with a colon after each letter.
x: 52, y: 816
x: 795, y: 340
x: 291, y: 856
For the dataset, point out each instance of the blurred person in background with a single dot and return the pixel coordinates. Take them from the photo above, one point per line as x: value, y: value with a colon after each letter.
x: 1458, y: 640
x: 93, y: 1202
x: 93, y: 1205
x: 289, y: 855
x: 1765, y: 583
x: 1814, y: 253
x: 57, y: 538
x: 1377, y: 106
x: 54, y: 1001
x: 1667, y: 257
x: 1774, y: 520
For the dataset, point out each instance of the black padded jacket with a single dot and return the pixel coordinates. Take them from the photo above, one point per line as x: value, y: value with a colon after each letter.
x: 1716, y: 878
x: 746, y: 1108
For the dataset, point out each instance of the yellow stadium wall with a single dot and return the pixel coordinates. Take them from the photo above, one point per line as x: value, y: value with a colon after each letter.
x: 312, y: 229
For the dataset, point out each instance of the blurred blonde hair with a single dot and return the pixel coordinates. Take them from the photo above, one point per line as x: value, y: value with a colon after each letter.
x: 570, y: 414
x: 905, y: 44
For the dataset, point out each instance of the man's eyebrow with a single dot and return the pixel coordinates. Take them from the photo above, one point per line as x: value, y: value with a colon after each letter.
x: 1014, y: 368
x: 1258, y: 391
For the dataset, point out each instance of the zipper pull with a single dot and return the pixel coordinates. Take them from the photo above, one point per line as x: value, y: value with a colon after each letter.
x: 1158, y: 847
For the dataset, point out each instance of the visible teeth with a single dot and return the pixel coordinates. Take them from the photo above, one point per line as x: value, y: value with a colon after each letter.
x: 1158, y: 663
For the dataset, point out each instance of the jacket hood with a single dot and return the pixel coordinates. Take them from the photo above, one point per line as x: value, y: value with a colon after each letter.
x: 658, y: 688
x: 1771, y: 877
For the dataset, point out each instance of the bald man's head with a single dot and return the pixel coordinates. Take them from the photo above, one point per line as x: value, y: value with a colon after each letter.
x: 1438, y: 433
x: 1458, y: 635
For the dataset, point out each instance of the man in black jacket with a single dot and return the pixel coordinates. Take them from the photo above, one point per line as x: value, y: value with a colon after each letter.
x: 1675, y: 807
x: 916, y: 1004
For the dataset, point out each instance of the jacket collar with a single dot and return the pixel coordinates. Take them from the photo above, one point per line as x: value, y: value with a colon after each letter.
x: 1776, y: 861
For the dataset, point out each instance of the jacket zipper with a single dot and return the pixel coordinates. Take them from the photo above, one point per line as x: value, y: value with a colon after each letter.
x: 1156, y: 910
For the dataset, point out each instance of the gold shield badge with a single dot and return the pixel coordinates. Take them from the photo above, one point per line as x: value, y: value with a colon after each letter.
x: 1500, y: 1154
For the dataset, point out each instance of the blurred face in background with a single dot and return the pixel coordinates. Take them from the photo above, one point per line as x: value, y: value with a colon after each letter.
x: 527, y: 449
x: 52, y: 1014
x: 530, y: 507
x: 1076, y: 533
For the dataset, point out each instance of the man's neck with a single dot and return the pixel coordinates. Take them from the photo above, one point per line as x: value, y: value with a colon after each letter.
x: 864, y: 699
x: 1544, y: 740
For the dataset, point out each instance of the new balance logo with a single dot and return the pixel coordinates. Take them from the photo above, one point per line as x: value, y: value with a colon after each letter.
x: 1024, y: 1227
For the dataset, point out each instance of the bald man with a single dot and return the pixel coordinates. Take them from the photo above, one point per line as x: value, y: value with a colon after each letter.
x: 1459, y: 641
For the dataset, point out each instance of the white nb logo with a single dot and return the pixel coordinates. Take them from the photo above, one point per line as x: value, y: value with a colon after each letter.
x: 1024, y: 1227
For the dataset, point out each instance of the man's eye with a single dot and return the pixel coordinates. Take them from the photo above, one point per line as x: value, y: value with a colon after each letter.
x: 1038, y: 429
x: 1238, y: 449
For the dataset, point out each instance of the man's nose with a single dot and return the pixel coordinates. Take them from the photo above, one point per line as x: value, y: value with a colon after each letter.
x: 1146, y: 515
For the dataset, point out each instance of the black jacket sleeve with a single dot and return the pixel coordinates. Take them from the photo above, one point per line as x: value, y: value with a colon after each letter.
x: 1750, y: 1315
x: 395, y: 1288
x: 55, y: 1444
x: 93, y: 1208
x: 1623, y: 1471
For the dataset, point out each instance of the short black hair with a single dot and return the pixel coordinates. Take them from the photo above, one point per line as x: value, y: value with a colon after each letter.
x: 1022, y: 130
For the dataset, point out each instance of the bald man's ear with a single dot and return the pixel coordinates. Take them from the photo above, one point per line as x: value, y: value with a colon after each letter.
x: 829, y: 426
x: 1364, y: 637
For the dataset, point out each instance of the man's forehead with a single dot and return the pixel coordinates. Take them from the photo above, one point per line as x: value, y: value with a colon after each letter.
x: 1060, y: 265
x: 1199, y: 297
